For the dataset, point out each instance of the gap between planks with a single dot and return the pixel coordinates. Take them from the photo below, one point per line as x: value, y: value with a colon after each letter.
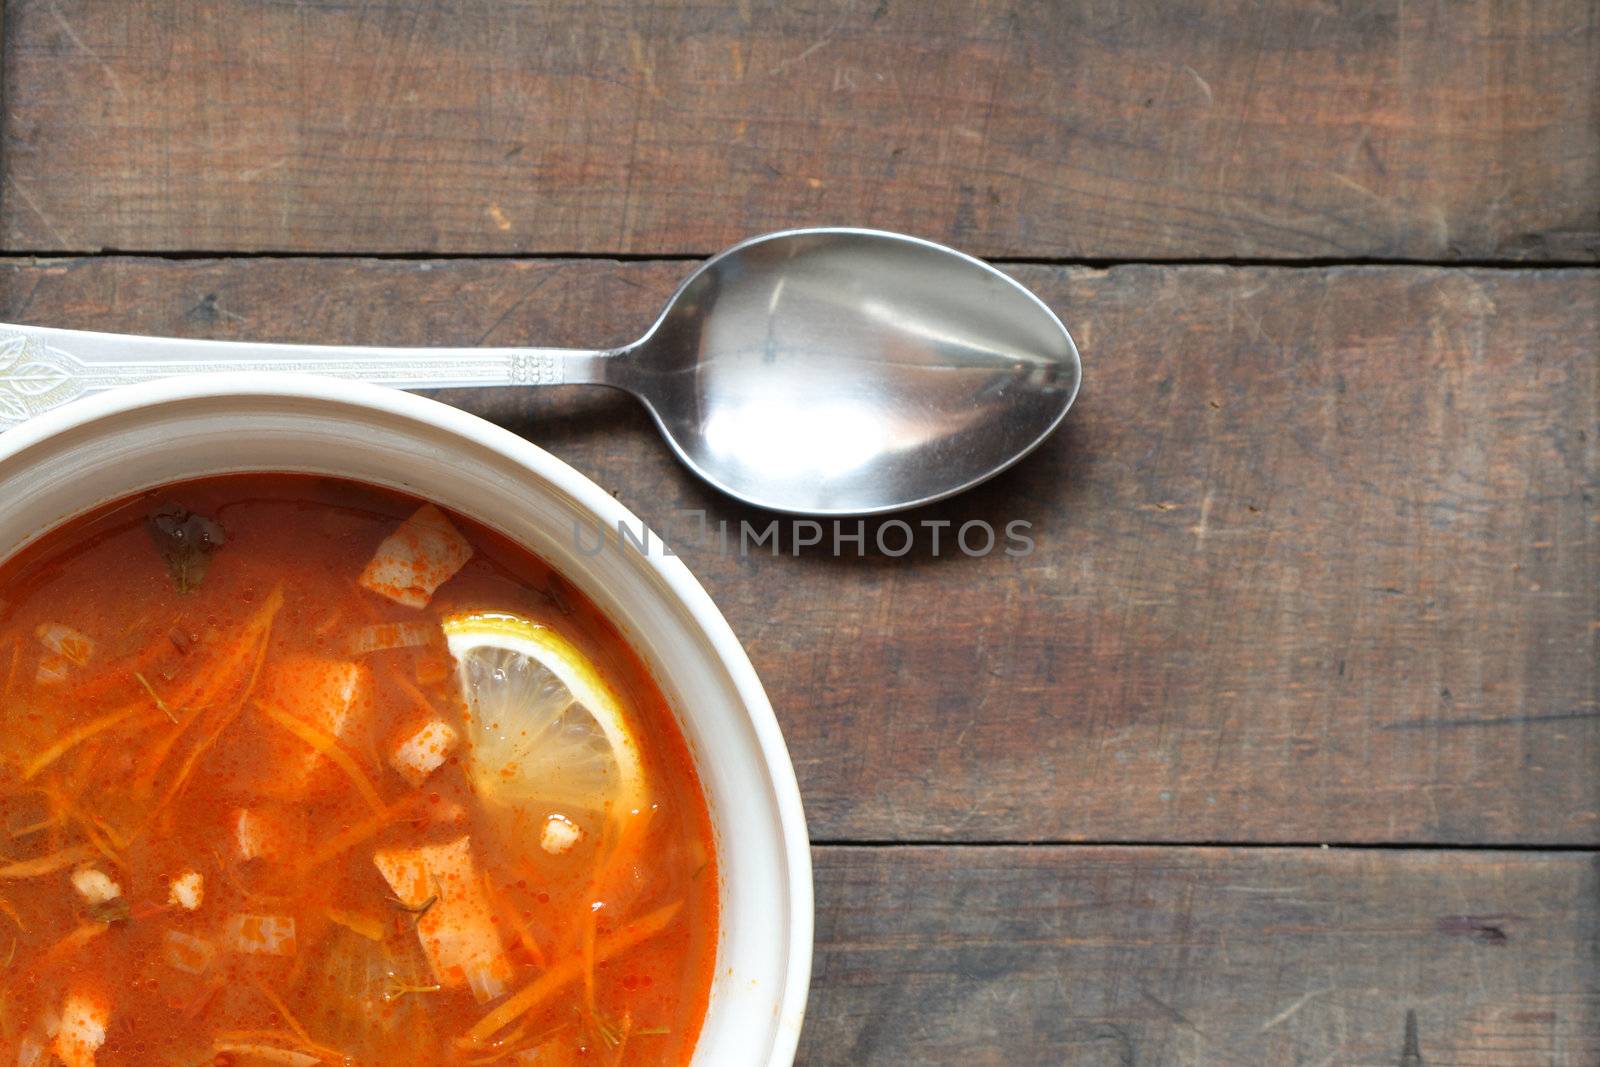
x: 1260, y: 846
x: 1306, y: 263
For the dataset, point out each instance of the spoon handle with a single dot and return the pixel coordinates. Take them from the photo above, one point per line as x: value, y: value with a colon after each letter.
x: 42, y: 368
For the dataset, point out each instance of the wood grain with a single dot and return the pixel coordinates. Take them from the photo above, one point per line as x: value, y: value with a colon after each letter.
x: 1131, y: 129
x: 1315, y: 559
x: 1092, y: 957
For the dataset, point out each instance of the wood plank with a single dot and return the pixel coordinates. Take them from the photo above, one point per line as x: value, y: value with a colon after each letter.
x: 1121, y: 130
x: 1092, y: 957
x: 1315, y: 559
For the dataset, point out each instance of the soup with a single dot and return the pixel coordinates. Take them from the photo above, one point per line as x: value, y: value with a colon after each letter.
x: 296, y: 770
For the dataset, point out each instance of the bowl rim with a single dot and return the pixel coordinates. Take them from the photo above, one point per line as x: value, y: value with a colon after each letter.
x: 587, y: 494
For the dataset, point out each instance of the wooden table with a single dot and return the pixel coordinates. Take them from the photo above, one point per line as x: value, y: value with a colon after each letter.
x: 1286, y: 732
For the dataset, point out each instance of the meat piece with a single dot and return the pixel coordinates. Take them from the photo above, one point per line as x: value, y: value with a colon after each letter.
x: 458, y: 932
x: 95, y: 886
x: 84, y: 1018
x: 187, y: 890
x: 559, y: 835
x: 423, y: 750
x: 414, y: 561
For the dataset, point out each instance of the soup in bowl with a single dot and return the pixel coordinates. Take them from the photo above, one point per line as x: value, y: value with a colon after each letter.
x: 329, y: 736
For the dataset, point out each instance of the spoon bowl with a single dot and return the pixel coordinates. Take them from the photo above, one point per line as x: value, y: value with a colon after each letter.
x: 850, y: 372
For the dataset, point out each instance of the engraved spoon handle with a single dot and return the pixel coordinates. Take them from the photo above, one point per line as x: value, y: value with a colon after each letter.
x: 42, y: 368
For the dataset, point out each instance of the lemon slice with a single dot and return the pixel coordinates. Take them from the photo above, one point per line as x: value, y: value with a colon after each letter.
x: 544, y: 727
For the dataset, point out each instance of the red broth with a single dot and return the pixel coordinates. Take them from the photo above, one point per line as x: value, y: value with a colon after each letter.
x: 205, y: 691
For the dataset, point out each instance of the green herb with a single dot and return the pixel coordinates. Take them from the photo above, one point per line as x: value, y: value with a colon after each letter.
x: 394, y: 987
x: 419, y: 910
x: 186, y: 542
x: 110, y: 911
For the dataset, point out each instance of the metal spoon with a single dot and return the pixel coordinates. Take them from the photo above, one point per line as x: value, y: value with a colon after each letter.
x: 819, y: 372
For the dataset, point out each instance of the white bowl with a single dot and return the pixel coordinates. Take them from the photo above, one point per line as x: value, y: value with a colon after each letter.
x: 75, y: 458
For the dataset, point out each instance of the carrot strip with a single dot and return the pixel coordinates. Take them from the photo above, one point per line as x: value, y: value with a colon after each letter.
x: 269, y: 611
x: 53, y: 819
x: 70, y: 944
x: 16, y: 661
x: 121, y: 672
x: 76, y: 737
x: 256, y: 897
x: 43, y: 865
x: 611, y: 849
x: 225, y: 720
x: 253, y: 641
x: 289, y: 1054
x: 563, y: 974
x: 282, y: 1009
x: 417, y: 696
x: 359, y: 832
x: 244, y: 1040
x: 117, y: 838
x: 498, y: 901
x: 356, y: 923
x: 205, y: 998
x: 329, y: 746
x: 144, y: 779
x: 96, y: 839
x: 11, y: 913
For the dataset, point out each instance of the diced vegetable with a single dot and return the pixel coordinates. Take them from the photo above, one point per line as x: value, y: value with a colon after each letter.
x: 84, y: 1018
x: 190, y: 954
x: 457, y: 930
x: 66, y: 642
x: 53, y: 670
x: 423, y: 750
x: 95, y: 886
x: 559, y: 835
x: 414, y: 561
x: 187, y: 891
x: 261, y: 935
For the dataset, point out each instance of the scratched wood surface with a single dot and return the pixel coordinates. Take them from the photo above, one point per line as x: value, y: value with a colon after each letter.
x: 1315, y: 556
x: 1417, y: 129
x: 1097, y: 957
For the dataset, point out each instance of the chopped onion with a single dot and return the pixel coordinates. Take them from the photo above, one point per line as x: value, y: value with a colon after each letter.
x: 380, y: 637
